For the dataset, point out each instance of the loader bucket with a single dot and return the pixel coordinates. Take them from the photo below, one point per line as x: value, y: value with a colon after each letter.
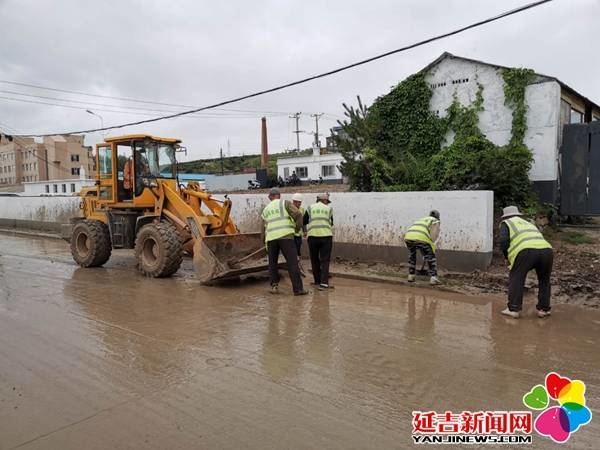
x: 226, y: 256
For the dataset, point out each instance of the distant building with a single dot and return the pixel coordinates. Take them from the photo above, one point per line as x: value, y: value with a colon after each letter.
x: 326, y: 165
x: 23, y: 160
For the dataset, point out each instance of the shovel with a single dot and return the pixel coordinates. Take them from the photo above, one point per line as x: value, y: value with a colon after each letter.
x: 422, y: 271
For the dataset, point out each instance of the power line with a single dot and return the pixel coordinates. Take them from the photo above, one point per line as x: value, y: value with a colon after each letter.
x: 314, y: 77
x: 16, y: 83
x: 83, y: 108
x: 43, y: 97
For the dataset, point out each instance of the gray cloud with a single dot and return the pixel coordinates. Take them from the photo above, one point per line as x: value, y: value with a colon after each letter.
x: 199, y: 52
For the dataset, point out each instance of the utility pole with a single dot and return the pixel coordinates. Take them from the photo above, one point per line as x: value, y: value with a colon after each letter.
x: 317, y: 116
x: 222, y: 170
x: 298, y: 131
x: 228, y: 148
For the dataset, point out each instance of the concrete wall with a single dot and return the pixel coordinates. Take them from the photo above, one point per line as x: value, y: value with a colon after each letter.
x: 543, y: 100
x: 368, y: 226
x: 228, y: 182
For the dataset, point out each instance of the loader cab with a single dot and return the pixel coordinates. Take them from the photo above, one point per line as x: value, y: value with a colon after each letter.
x: 129, y: 167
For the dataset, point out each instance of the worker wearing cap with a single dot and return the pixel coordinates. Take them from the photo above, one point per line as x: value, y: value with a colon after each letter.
x: 422, y: 236
x: 297, y: 202
x: 525, y: 249
x: 282, y: 220
x: 319, y: 223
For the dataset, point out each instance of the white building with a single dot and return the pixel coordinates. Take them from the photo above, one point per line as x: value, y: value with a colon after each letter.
x: 70, y: 186
x: 311, y: 167
x: 551, y: 104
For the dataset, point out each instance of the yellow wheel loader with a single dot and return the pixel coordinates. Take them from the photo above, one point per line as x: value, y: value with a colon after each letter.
x: 138, y: 203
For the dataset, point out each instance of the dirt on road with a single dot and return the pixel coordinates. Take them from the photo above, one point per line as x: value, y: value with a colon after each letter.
x: 107, y: 358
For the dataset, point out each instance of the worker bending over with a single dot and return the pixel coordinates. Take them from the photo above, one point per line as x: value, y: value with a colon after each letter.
x: 525, y: 249
x: 282, y: 219
x: 319, y: 223
x: 422, y: 236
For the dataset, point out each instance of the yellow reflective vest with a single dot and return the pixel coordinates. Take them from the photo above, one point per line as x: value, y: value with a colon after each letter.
x: 420, y: 231
x: 299, y: 232
x: 319, y: 220
x: 278, y: 220
x: 523, y: 234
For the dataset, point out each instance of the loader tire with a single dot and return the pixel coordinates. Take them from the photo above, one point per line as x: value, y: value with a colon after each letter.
x: 90, y: 243
x: 158, y: 250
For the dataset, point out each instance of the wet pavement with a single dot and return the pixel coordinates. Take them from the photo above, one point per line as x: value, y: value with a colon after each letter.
x: 106, y: 358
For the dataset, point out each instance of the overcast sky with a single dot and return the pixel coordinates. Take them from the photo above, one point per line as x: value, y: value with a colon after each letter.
x: 197, y: 52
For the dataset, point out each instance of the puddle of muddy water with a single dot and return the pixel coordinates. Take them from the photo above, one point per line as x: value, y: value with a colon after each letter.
x: 379, y: 350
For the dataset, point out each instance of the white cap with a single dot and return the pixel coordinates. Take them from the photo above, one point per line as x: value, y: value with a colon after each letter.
x: 297, y: 197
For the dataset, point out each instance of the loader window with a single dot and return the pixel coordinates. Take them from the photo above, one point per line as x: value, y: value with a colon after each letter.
x: 105, y: 162
x: 158, y: 158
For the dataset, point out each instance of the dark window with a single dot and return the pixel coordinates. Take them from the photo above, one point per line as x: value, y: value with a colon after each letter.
x: 75, y: 171
x: 54, y: 188
x: 74, y: 158
x: 302, y: 172
x: 64, y: 188
x: 72, y: 187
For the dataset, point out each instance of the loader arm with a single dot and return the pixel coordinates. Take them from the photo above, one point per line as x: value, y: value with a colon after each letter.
x: 220, y: 251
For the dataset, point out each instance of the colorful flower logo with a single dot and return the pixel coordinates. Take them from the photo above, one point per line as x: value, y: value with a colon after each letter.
x: 558, y: 422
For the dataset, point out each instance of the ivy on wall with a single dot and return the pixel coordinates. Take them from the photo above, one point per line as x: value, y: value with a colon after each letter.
x: 398, y: 143
x: 515, y: 83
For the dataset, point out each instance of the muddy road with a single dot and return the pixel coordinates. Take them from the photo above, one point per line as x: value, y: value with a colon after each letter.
x: 105, y: 358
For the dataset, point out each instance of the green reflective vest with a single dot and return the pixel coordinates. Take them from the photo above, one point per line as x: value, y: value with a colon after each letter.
x: 319, y: 220
x: 523, y: 234
x: 299, y: 232
x: 279, y: 223
x: 419, y: 231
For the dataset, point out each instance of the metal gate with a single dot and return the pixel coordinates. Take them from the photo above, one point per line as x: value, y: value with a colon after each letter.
x: 580, y: 170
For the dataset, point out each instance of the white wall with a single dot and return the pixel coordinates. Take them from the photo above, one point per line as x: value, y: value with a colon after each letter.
x: 39, y: 187
x: 313, y: 163
x: 379, y: 218
x: 543, y: 100
x: 229, y: 182
x: 382, y: 218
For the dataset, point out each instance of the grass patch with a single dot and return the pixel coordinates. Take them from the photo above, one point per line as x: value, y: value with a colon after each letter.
x: 576, y: 238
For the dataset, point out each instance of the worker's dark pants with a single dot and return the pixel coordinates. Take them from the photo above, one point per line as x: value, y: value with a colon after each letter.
x: 298, y: 242
x: 288, y: 248
x: 526, y: 260
x: 320, y: 256
x: 428, y: 255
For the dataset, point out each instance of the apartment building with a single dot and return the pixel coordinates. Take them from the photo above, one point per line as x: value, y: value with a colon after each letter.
x: 56, y: 158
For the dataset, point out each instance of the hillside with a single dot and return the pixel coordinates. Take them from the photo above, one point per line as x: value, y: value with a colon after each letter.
x: 233, y: 164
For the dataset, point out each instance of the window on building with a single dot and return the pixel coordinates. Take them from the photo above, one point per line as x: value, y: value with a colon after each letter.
x: 75, y: 171
x: 72, y: 187
x: 576, y: 116
x: 47, y: 187
x: 74, y: 158
x: 327, y: 171
x: 64, y: 188
x: 55, y: 188
x: 302, y: 172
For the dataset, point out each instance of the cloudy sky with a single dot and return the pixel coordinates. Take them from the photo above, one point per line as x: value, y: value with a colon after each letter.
x: 196, y: 52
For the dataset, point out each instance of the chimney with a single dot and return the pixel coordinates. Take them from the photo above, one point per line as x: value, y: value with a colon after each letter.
x: 264, y: 147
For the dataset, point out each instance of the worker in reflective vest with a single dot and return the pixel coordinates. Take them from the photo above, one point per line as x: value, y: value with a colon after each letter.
x: 319, y: 224
x: 282, y: 219
x: 525, y: 249
x: 422, y: 236
x: 297, y: 202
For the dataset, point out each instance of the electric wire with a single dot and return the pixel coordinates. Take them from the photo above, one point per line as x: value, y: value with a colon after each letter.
x: 311, y: 78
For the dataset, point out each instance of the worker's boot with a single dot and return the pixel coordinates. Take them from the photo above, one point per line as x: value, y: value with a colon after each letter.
x: 434, y: 281
x: 541, y: 314
x: 508, y: 312
x: 411, y: 278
